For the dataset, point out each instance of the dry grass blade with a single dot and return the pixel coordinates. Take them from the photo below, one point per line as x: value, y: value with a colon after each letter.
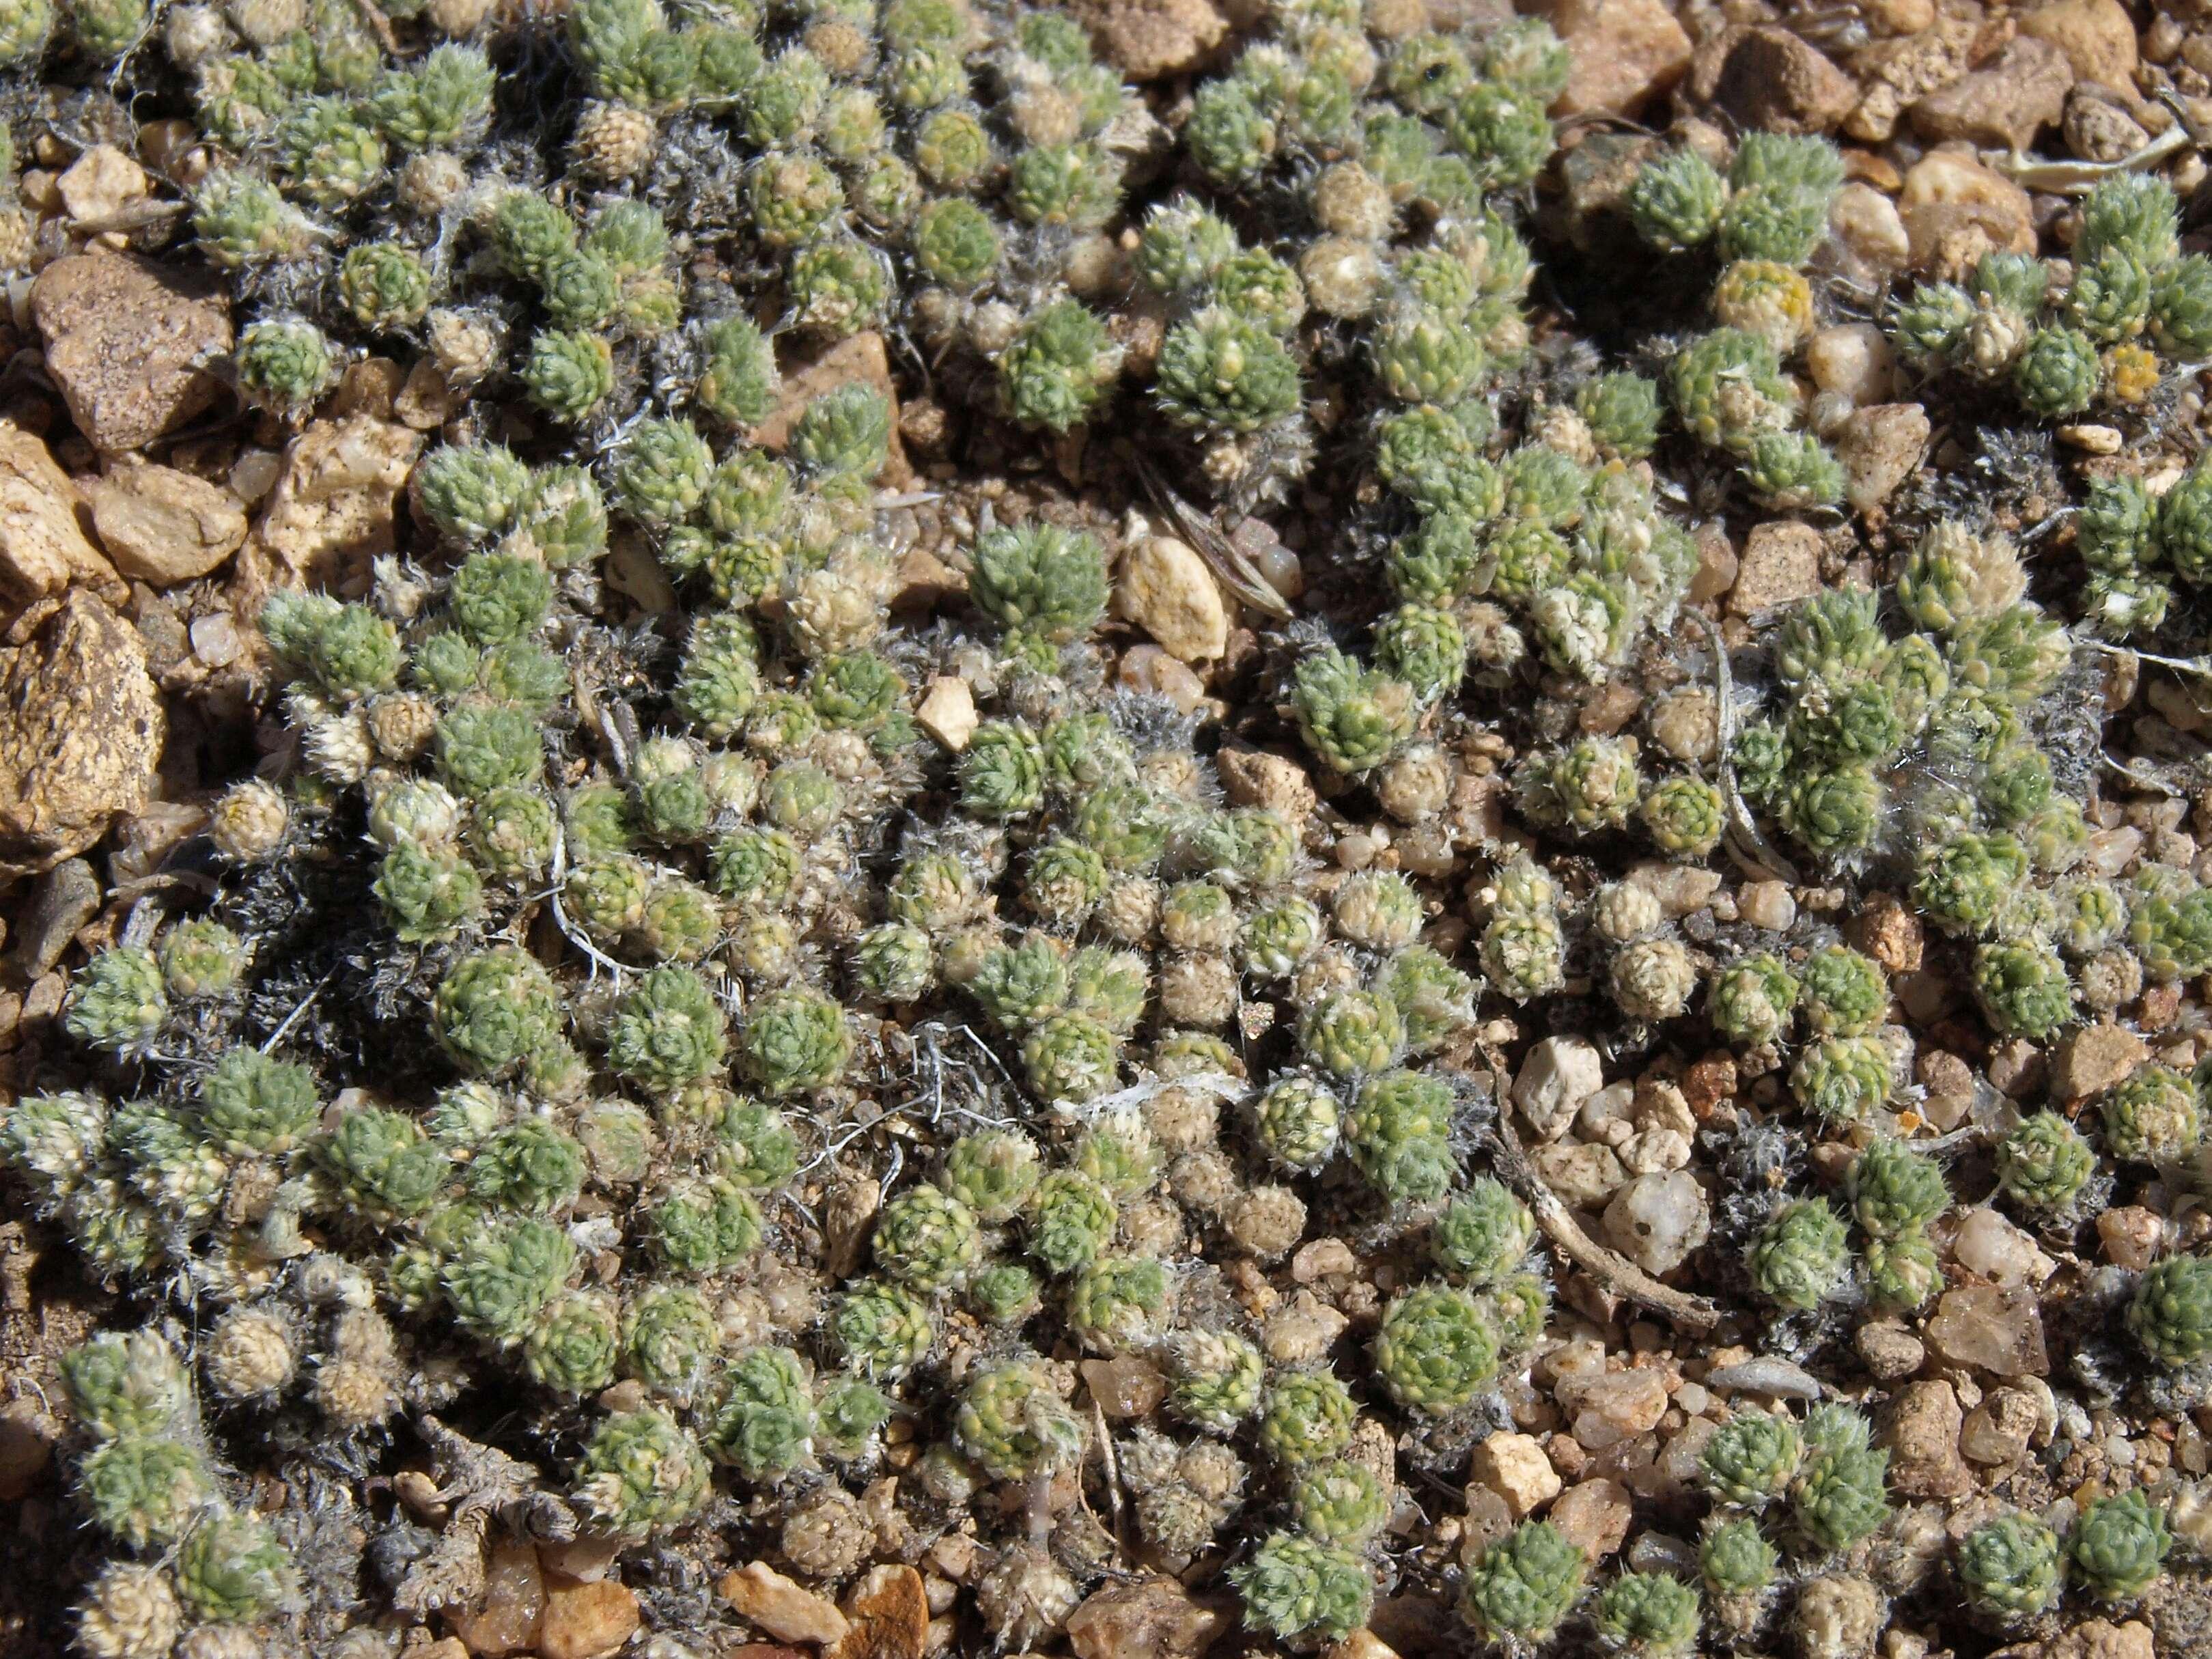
x: 1608, y: 1267
x: 1222, y: 556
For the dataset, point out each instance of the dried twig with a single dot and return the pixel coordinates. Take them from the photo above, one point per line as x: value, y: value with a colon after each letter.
x: 1223, y: 557
x: 569, y: 931
x: 1746, y: 844
x: 2151, y: 781
x: 1037, y: 1507
x: 1113, y: 1467
x: 305, y: 1003
x: 2078, y: 178
x: 2198, y: 665
x: 145, y: 917
x: 1608, y: 1267
x: 137, y: 217
x: 379, y: 24
x: 480, y: 1482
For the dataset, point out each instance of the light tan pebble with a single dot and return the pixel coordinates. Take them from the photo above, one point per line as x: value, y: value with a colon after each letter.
x: 1594, y: 1515
x: 1558, y: 1076
x: 1167, y: 590
x: 2096, y: 37
x: 1781, y: 564
x: 504, y: 1620
x: 587, y: 1620
x: 1516, y: 1468
x: 2004, y: 104
x: 1768, y: 905
x: 1659, y: 1220
x: 161, y: 526
x: 785, y: 1610
x: 1584, y: 1177
x: 1921, y: 1429
x: 1854, y: 360
x: 1622, y: 53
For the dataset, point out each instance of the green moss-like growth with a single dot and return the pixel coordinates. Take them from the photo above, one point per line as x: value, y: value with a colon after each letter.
x: 1298, y: 1585
x: 2118, y: 1545
x: 1526, y: 1585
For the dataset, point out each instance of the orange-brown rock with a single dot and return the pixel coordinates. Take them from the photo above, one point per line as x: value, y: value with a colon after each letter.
x: 81, y: 729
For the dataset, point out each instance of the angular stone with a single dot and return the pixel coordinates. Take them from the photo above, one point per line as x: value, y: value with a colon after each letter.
x: 1302, y: 1329
x: 1167, y: 590
x: 1658, y: 1220
x: 1615, y: 1405
x: 1679, y: 1460
x: 163, y: 526
x: 1624, y: 53
x: 1148, y: 669
x: 948, y: 712
x: 1717, y: 564
x: 99, y: 184
x: 1582, y: 1177
x: 632, y: 568
x: 504, y: 1620
x: 1997, y: 1431
x: 2097, y: 129
x: 65, y: 898
x: 42, y: 547
x: 1867, y: 225
x: 1514, y: 1467
x: 333, y: 511
x: 2094, y: 1639
x: 2097, y: 38
x: 1655, y: 1151
x: 1772, y: 81
x: 1682, y: 889
x: 889, y: 1609
x: 1767, y: 1375
x: 1768, y: 905
x: 1990, y: 1329
x: 131, y: 343
x: 1256, y: 777
x: 1710, y: 1081
x: 586, y: 1558
x: 1879, y: 448
x: 80, y: 729
x: 1888, y: 930
x: 1854, y: 360
x: 1922, y: 1437
x: 1126, y: 1386
x: 587, y: 1621
x: 1152, y: 40
x: 1558, y: 1076
x: 786, y: 1611
x: 1899, y: 72
x: 2131, y: 1236
x: 1988, y: 1246
x: 1595, y: 1514
x: 2093, y: 1058
x: 1890, y: 1350
x: 2008, y: 103
x: 1781, y: 564
x: 427, y: 401
x: 1956, y: 209
x: 1154, y: 1618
